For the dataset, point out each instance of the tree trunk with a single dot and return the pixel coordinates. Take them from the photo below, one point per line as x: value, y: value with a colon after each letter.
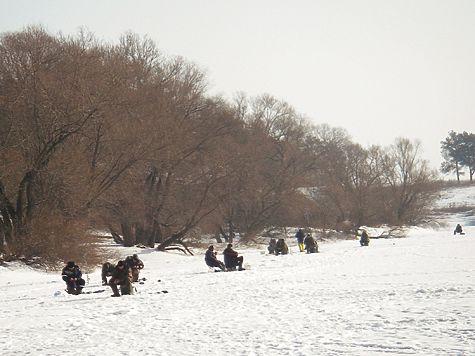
x: 457, y: 169
x: 140, y: 234
x: 174, y: 242
x: 217, y: 235
x: 231, y: 231
x: 127, y: 233
x: 221, y: 231
x: 158, y: 235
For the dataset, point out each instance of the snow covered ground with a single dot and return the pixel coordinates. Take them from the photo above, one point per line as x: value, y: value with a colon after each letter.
x: 405, y: 296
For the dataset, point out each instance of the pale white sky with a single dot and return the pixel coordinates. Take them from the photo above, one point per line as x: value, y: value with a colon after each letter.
x: 379, y: 68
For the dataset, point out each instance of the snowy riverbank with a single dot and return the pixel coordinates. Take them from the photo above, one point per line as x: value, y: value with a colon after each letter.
x: 414, y: 296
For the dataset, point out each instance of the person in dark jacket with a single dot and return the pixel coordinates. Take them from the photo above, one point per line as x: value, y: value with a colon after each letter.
x: 231, y: 259
x: 72, y: 275
x: 364, y: 241
x: 300, y: 237
x: 458, y: 229
x: 121, y: 276
x: 135, y: 265
x: 107, y: 269
x: 311, y: 245
x: 281, y: 247
x: 211, y: 259
x: 272, y: 246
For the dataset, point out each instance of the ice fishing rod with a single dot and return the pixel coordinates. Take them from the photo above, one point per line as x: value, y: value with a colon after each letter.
x: 85, y: 263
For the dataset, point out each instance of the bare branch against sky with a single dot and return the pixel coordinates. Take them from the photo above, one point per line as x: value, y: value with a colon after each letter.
x: 380, y: 69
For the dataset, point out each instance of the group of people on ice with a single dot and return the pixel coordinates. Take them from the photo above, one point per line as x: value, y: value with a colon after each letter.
x: 278, y: 247
x: 309, y: 244
x: 232, y: 260
x: 125, y: 272
x: 306, y: 243
x: 119, y: 276
x: 122, y: 275
x: 364, y: 240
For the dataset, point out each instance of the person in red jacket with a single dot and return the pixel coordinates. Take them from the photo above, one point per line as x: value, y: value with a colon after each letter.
x: 231, y: 259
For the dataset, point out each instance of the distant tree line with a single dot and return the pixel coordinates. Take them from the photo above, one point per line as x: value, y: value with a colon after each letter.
x: 119, y: 137
x: 458, y: 151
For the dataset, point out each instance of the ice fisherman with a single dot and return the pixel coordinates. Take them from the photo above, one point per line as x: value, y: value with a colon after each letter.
x: 458, y: 229
x: 135, y: 265
x: 107, y: 269
x: 281, y: 247
x: 231, y: 259
x: 311, y: 245
x: 72, y: 275
x: 364, y: 241
x: 211, y: 259
x: 272, y: 246
x: 300, y: 237
x: 121, y: 276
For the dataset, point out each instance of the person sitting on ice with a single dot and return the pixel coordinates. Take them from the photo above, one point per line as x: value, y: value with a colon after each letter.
x: 211, y: 259
x: 281, y: 247
x: 311, y: 245
x: 72, y: 275
x: 107, y: 269
x: 458, y: 229
x: 364, y: 241
x: 135, y: 265
x: 121, y: 276
x: 272, y: 246
x: 231, y: 259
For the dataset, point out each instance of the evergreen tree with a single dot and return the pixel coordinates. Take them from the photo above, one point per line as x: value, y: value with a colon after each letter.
x: 451, y: 152
x: 467, y: 152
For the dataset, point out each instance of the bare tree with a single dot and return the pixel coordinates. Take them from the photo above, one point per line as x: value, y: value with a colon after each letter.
x: 120, y: 136
x: 410, y: 180
x: 71, y: 113
x: 43, y: 106
x: 350, y: 178
x: 178, y: 182
x: 273, y: 163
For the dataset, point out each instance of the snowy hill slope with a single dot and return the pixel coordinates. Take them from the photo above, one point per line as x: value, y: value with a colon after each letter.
x: 457, y: 205
x: 414, y: 295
